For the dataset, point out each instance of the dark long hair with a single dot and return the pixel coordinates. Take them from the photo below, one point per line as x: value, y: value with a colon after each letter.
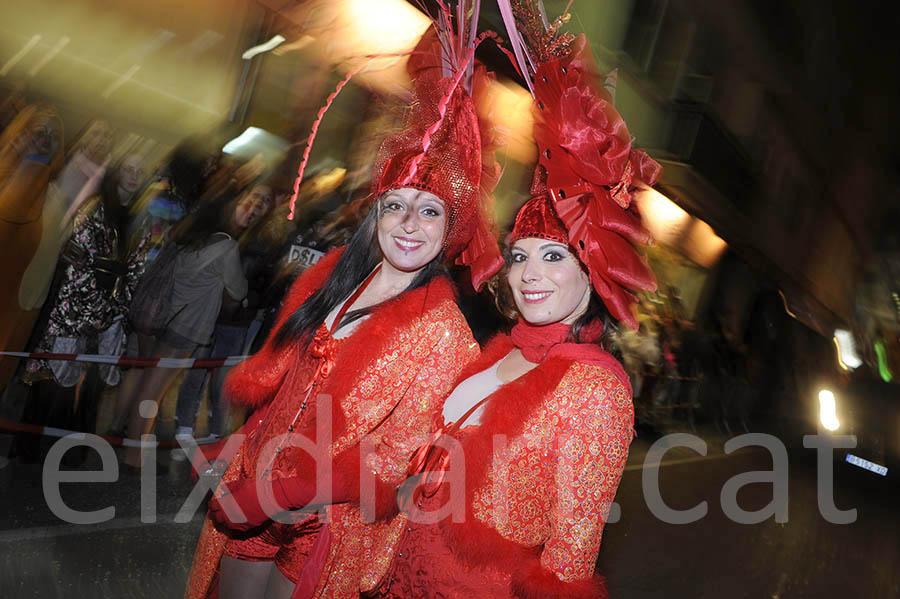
x: 361, y: 255
x: 114, y: 213
x: 195, y: 231
x: 596, y: 312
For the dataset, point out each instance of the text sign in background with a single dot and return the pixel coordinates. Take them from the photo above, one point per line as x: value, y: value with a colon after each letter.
x: 304, y: 256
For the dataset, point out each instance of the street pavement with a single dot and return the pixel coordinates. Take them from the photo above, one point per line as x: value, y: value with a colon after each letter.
x: 641, y: 556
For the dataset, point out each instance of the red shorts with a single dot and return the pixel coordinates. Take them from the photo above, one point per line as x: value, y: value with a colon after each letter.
x: 287, y: 545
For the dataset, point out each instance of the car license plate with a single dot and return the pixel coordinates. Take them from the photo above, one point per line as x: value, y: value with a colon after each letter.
x: 867, y: 465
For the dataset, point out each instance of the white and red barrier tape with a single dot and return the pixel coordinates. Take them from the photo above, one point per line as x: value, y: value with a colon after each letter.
x: 132, y: 360
x: 11, y: 426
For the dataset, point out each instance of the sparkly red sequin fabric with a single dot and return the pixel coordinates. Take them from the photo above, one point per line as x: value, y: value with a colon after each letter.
x: 387, y: 381
x: 535, y: 504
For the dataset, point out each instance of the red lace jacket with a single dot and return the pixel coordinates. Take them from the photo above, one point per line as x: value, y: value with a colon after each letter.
x: 387, y: 380
x: 535, y: 506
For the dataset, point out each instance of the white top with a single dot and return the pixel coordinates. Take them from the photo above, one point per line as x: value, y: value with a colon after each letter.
x: 470, y: 392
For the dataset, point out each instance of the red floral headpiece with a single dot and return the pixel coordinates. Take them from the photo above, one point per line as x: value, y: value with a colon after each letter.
x: 587, y: 168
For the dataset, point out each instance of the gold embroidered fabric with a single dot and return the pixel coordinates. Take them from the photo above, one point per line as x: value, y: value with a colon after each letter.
x: 391, y: 405
x: 554, y: 484
x: 551, y: 486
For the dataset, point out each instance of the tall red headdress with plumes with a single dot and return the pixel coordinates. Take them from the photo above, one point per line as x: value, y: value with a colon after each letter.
x: 444, y: 146
x: 587, y: 168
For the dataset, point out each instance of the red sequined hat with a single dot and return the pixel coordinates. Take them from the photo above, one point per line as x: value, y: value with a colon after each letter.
x: 587, y: 168
x: 538, y: 219
x: 446, y: 148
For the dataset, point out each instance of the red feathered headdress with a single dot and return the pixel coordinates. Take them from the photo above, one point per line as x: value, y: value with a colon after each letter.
x: 444, y: 146
x: 587, y: 168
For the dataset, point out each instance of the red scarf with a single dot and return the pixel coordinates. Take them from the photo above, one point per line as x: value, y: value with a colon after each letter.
x: 540, y: 342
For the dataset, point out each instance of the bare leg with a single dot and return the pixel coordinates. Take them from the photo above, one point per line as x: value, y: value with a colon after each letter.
x: 154, y: 383
x: 128, y: 390
x: 125, y: 398
x: 78, y: 387
x: 280, y: 586
x: 240, y: 579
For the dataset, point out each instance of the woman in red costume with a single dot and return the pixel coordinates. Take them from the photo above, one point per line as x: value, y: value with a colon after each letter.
x: 367, y: 344
x: 531, y: 444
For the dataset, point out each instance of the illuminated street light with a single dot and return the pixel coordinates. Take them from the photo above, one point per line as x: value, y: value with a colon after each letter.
x: 273, y: 43
x: 847, y: 357
x: 828, y: 410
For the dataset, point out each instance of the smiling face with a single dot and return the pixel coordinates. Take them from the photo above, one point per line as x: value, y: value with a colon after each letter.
x: 547, y: 282
x: 411, y: 226
x: 253, y: 207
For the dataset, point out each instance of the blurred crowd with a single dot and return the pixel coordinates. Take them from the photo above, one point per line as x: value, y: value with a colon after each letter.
x: 108, y: 252
x: 683, y: 371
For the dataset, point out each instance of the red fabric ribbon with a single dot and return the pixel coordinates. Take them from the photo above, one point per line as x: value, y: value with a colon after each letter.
x: 432, y: 461
x: 535, y: 342
x: 322, y: 348
x: 552, y: 341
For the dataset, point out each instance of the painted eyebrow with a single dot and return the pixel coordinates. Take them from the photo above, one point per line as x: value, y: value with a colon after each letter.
x: 550, y: 245
x: 542, y: 247
x: 437, y: 202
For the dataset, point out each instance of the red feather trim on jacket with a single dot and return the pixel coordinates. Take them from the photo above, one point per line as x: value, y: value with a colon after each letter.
x: 514, y: 406
x: 254, y: 382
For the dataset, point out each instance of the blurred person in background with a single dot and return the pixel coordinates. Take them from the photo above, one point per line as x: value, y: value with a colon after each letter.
x: 231, y: 327
x: 260, y: 251
x: 31, y: 154
x: 82, y: 174
x: 641, y: 354
x: 78, y: 181
x: 690, y: 365
x: 721, y: 375
x: 164, y: 203
x: 665, y: 392
x: 301, y: 244
x: 12, y: 101
x: 207, y: 266
x: 338, y: 225
x: 87, y: 313
x: 172, y: 197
